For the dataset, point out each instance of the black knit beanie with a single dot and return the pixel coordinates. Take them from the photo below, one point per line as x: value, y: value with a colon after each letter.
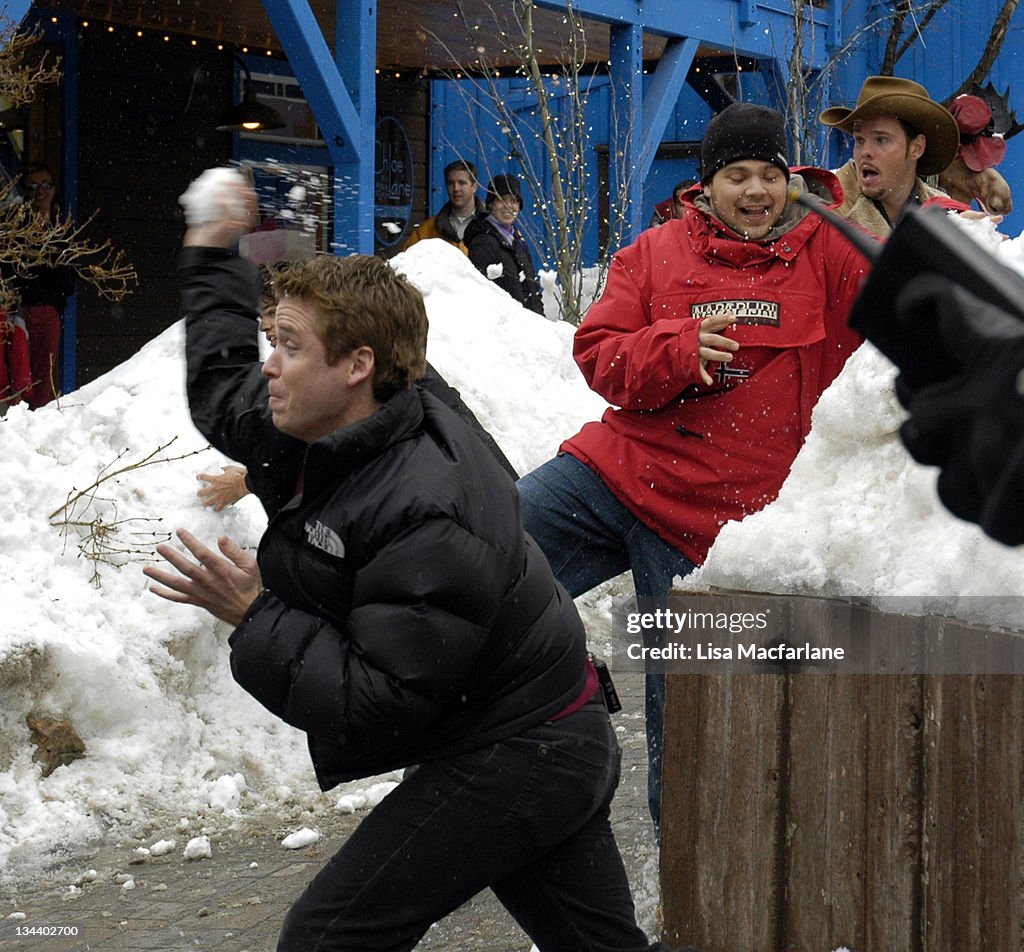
x: 743, y: 131
x: 504, y: 184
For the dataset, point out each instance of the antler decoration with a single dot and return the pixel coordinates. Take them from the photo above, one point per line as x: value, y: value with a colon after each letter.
x: 1004, y: 117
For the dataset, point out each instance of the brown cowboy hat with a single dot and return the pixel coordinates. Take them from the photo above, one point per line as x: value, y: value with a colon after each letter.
x: 904, y: 99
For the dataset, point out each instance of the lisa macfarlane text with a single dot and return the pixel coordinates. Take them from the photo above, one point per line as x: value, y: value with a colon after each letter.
x: 709, y: 651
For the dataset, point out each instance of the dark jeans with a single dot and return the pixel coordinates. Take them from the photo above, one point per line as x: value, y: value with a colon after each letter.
x: 589, y: 537
x: 527, y: 817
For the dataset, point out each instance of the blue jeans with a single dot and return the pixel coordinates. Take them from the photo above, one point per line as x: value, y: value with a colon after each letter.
x: 589, y: 537
x: 528, y: 816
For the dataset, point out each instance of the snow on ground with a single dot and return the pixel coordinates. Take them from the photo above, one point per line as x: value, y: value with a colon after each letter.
x: 171, y: 740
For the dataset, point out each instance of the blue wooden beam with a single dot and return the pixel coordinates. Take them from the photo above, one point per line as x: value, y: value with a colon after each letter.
x: 355, y: 53
x: 341, y: 91
x: 661, y: 96
x: 750, y: 28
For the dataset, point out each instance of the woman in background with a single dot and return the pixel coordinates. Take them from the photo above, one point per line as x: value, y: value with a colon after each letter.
x: 497, y: 248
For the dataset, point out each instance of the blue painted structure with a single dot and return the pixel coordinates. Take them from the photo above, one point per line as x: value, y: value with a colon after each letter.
x: 837, y: 47
x: 661, y: 106
x: 340, y: 88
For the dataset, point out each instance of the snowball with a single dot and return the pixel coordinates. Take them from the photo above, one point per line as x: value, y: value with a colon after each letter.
x: 227, y: 792
x: 212, y: 196
x: 198, y: 848
x: 365, y: 799
x: 300, y: 838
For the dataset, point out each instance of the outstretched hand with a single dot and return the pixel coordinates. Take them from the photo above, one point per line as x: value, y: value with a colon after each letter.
x: 223, y: 488
x: 224, y: 584
x: 712, y: 346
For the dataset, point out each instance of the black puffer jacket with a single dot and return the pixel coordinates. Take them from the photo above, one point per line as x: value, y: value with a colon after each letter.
x: 216, y: 281
x: 406, y: 615
x: 488, y: 248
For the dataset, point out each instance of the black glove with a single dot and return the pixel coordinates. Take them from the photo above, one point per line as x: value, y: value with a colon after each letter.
x: 970, y: 420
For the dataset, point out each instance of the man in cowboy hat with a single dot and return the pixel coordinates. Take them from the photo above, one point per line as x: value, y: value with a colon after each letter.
x: 900, y: 135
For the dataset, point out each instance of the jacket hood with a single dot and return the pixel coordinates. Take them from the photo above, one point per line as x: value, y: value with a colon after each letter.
x: 803, y: 180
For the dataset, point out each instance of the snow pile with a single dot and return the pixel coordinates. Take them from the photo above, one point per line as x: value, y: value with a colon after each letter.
x: 145, y: 683
x: 858, y: 517
x: 171, y: 742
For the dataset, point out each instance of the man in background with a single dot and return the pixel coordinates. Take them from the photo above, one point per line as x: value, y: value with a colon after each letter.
x: 900, y: 136
x: 461, y: 208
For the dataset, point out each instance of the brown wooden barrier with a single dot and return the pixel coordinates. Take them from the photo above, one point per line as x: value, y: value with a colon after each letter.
x: 806, y: 812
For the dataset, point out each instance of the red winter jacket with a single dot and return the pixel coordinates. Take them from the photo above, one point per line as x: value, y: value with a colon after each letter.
x: 684, y: 457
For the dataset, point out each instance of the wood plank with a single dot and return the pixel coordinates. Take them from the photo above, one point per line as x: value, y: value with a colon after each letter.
x: 869, y: 810
x: 972, y: 800
x: 721, y: 810
x: 825, y: 807
x: 894, y: 751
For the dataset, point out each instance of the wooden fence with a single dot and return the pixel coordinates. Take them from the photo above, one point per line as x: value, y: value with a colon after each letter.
x: 808, y: 812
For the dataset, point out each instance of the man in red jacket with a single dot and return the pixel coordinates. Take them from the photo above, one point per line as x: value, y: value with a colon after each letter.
x: 713, y: 339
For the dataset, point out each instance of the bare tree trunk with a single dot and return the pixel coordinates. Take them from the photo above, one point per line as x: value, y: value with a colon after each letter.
x: 995, y: 44
x: 797, y: 91
x: 564, y: 265
x: 899, y: 16
x: 936, y: 6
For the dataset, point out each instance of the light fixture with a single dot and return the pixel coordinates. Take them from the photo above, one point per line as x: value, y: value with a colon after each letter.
x: 250, y: 115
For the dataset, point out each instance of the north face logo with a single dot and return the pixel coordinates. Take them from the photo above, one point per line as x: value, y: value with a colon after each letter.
x: 324, y: 538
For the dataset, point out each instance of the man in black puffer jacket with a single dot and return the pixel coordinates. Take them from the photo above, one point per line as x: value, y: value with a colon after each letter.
x: 397, y: 613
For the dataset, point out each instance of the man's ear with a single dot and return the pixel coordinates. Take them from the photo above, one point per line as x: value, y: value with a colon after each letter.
x: 364, y: 362
x: 917, y: 147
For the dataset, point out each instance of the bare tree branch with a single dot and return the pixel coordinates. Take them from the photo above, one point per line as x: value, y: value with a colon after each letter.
x: 992, y: 49
x: 899, y: 16
x: 19, y: 75
x: 918, y: 30
x: 553, y: 110
x: 29, y: 240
